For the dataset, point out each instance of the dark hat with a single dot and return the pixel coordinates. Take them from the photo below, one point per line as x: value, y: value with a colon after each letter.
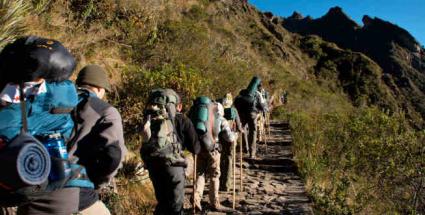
x: 93, y: 75
x: 31, y: 57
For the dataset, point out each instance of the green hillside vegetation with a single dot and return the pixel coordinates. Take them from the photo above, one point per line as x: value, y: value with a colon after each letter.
x: 354, y: 147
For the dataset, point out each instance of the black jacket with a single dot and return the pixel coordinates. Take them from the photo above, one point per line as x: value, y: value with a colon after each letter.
x: 187, y: 133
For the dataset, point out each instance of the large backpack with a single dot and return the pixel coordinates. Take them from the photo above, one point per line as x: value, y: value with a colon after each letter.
x: 29, y: 167
x: 246, y: 100
x: 160, y: 140
x: 202, y: 115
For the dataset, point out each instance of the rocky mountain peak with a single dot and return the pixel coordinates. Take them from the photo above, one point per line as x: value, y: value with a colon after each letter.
x: 296, y: 15
x: 337, y: 15
x: 367, y: 20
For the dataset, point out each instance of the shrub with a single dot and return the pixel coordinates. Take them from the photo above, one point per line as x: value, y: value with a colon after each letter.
x: 365, y: 160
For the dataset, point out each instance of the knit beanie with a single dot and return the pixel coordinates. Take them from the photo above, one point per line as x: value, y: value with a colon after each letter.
x: 93, y: 75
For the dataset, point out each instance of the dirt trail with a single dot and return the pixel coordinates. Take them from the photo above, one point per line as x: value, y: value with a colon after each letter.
x: 271, y: 182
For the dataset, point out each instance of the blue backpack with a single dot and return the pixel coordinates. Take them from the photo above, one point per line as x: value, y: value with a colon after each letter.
x: 27, y: 129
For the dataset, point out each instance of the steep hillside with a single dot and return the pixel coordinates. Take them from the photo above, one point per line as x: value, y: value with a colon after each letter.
x: 356, y: 150
x: 393, y: 48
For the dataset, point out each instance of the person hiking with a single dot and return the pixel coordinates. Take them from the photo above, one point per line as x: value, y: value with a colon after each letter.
x: 249, y: 103
x: 37, y: 101
x: 226, y: 163
x: 165, y: 134
x: 263, y: 115
x: 208, y: 164
x: 99, y: 137
x: 187, y: 134
x: 189, y: 140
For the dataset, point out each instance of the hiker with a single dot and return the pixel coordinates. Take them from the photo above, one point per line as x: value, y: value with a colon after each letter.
x: 37, y: 100
x: 99, y: 137
x: 187, y: 134
x: 263, y: 116
x: 227, y: 153
x: 165, y: 134
x: 265, y: 96
x: 188, y: 137
x: 210, y: 125
x: 249, y: 103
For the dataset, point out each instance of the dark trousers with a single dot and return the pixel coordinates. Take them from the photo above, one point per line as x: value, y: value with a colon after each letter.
x: 249, y: 138
x: 168, y: 183
x: 226, y: 166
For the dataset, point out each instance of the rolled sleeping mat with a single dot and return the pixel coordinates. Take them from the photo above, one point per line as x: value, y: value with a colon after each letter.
x: 200, y: 115
x: 202, y: 118
x: 25, y: 162
x: 253, y: 85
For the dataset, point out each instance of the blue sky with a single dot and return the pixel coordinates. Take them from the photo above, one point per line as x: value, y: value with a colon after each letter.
x: 408, y: 14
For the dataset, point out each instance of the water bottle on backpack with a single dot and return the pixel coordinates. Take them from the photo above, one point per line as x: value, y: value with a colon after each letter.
x: 56, y: 147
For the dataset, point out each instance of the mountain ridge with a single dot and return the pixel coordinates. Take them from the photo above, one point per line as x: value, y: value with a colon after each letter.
x: 395, y: 50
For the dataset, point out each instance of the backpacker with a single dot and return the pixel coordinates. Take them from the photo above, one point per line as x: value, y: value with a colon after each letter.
x: 160, y: 140
x: 247, y: 97
x: 202, y: 114
x: 35, y: 119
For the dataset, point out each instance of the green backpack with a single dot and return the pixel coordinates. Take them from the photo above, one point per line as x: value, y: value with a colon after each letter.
x: 203, y: 118
x: 160, y: 140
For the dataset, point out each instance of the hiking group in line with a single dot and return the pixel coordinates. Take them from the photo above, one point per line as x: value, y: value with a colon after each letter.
x: 61, y: 143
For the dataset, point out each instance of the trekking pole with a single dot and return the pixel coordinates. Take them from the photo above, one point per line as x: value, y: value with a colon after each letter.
x: 241, y: 154
x: 268, y: 128
x: 194, y: 183
x: 234, y: 173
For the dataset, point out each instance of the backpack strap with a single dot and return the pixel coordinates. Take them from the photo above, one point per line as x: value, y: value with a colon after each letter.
x: 24, y: 128
x: 84, y: 94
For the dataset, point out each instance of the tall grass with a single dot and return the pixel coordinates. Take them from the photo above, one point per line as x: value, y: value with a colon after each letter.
x: 12, y: 16
x: 361, y: 162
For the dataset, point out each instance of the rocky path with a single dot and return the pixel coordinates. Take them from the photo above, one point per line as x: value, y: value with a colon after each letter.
x: 271, y: 182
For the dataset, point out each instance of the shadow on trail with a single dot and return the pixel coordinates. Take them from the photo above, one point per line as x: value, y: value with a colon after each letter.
x: 274, y: 165
x: 280, y: 143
